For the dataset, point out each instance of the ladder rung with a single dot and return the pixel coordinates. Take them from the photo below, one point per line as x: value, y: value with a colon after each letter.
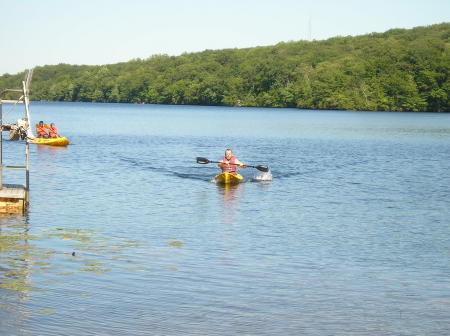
x: 15, y: 167
x: 12, y: 90
x: 4, y: 101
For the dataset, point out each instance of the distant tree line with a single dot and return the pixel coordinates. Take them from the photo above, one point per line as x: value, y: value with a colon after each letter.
x: 399, y: 70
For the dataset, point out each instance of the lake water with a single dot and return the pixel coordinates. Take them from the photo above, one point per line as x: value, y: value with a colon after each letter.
x: 126, y: 235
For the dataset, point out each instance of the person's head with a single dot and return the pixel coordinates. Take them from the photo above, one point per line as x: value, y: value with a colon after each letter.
x: 228, y: 153
x: 41, y: 123
x: 52, y: 125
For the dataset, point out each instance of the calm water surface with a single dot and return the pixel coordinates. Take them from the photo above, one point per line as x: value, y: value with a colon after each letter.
x: 351, y: 237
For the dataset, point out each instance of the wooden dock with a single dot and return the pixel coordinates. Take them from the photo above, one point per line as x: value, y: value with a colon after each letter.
x: 13, y: 199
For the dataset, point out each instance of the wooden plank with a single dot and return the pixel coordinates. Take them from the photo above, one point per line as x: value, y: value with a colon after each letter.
x: 10, y: 205
x: 8, y: 101
x: 12, y: 90
x: 14, y: 191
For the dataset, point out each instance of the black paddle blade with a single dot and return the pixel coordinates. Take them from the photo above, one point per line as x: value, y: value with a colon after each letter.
x: 262, y: 168
x: 202, y: 160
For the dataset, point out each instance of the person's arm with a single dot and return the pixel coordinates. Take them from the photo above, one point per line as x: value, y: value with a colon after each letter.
x: 241, y: 165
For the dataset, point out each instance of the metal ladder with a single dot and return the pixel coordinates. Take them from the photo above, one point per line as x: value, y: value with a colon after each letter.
x: 14, y: 191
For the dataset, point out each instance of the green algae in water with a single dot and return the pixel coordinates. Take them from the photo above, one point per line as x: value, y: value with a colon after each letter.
x: 95, y: 269
x: 138, y: 269
x: 71, y: 234
x: 16, y: 252
x: 131, y: 243
x: 24, y: 258
x: 16, y: 285
x: 172, y: 268
x: 6, y: 307
x: 175, y: 243
x: 65, y: 273
x: 46, y: 311
x: 51, y: 281
x: 15, y: 242
x: 16, y: 273
x: 94, y: 263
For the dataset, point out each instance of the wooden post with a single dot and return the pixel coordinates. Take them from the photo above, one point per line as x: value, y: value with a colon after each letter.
x: 27, y: 175
x: 1, y: 144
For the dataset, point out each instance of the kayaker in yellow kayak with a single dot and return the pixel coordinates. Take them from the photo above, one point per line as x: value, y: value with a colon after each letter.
x: 53, y: 131
x: 41, y: 130
x: 229, y: 163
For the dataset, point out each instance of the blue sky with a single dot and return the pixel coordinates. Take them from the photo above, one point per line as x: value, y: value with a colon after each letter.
x: 41, y: 32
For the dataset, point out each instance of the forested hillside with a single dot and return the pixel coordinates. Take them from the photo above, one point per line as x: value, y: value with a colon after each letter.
x: 399, y: 70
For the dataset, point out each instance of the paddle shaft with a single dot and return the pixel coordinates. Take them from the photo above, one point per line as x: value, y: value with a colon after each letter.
x: 202, y: 160
x: 235, y: 164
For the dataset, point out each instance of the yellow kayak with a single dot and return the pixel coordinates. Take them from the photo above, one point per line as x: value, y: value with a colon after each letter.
x: 50, y: 141
x: 227, y: 178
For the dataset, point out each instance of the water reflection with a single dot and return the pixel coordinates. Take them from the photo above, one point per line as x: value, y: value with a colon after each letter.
x: 50, y: 149
x: 48, y: 155
x: 16, y: 254
x: 34, y: 265
x: 263, y: 185
x: 230, y: 195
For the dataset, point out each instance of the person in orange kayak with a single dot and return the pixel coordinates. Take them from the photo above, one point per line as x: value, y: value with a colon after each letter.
x: 53, y: 131
x: 229, y: 163
x: 41, y: 130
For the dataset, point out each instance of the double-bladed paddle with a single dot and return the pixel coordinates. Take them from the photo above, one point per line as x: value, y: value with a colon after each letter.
x: 203, y: 160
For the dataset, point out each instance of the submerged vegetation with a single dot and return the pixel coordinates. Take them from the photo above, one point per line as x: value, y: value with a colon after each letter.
x: 38, y: 263
x: 399, y: 70
x: 22, y: 256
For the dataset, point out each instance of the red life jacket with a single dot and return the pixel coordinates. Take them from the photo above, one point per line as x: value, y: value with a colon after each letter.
x: 53, y: 132
x: 41, y: 130
x: 227, y: 167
